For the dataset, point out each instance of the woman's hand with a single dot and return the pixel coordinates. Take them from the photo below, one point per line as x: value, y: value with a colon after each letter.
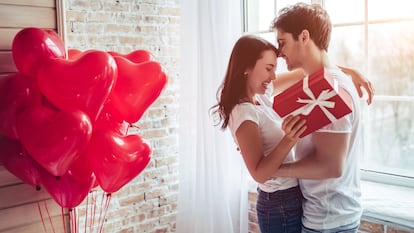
x: 293, y: 126
x: 360, y: 83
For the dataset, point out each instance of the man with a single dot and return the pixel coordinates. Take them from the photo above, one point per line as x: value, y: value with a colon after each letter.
x: 328, y: 158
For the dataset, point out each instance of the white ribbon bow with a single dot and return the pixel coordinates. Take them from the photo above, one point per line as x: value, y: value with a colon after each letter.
x: 320, y: 101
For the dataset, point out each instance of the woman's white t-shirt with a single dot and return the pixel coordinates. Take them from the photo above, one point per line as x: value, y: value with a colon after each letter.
x: 269, y: 124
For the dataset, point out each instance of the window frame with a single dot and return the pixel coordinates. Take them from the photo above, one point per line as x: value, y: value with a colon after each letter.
x: 366, y: 174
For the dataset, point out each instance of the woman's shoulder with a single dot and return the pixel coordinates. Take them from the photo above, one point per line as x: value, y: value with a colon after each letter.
x: 242, y: 112
x: 243, y: 108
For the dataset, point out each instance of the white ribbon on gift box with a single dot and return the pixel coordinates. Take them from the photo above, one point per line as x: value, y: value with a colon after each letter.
x: 320, y: 101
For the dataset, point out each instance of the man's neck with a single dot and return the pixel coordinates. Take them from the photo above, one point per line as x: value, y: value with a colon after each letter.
x: 316, y: 60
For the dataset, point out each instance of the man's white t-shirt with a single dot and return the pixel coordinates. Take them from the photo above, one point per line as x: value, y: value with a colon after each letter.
x: 330, y: 203
x: 269, y: 124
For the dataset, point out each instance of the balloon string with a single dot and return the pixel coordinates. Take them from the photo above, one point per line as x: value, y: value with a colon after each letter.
x: 100, y: 219
x: 74, y: 220
x: 63, y: 219
x: 77, y: 217
x: 86, y: 212
x: 41, y: 217
x: 133, y: 126
x: 61, y: 198
x: 71, y: 219
x: 108, y: 199
x: 50, y: 218
x: 93, y: 207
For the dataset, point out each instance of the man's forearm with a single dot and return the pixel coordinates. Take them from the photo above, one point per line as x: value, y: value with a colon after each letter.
x: 310, y: 168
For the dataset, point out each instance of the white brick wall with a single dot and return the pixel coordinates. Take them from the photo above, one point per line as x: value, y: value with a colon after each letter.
x: 149, y: 202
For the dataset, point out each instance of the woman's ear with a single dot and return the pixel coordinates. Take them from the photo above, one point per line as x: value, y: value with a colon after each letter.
x: 246, y: 72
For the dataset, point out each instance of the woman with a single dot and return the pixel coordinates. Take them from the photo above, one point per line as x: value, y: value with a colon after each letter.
x: 264, y: 140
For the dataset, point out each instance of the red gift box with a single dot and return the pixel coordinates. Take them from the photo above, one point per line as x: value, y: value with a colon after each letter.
x: 317, y: 98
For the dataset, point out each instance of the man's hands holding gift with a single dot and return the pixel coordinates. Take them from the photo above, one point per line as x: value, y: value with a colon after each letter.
x: 293, y: 126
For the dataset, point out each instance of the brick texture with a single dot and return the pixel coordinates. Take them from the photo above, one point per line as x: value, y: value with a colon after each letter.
x: 371, y: 227
x: 149, y: 202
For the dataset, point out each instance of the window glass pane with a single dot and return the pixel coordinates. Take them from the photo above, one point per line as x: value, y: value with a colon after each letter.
x: 389, y: 137
x: 391, y: 58
x: 283, y: 3
x: 260, y: 14
x: 386, y: 9
x: 347, y: 47
x: 383, y: 50
x: 269, y: 36
x: 341, y: 11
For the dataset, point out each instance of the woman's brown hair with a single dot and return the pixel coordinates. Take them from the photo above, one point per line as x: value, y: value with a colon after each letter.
x: 246, y: 51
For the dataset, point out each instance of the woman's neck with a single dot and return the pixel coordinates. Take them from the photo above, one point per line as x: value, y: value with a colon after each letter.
x: 248, y: 99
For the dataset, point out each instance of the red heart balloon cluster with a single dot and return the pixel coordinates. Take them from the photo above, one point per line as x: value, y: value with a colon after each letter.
x: 64, y: 118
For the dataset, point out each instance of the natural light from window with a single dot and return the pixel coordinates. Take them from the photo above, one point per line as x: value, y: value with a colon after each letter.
x: 377, y: 38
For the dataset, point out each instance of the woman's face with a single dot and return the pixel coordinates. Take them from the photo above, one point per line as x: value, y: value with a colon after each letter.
x: 262, y: 73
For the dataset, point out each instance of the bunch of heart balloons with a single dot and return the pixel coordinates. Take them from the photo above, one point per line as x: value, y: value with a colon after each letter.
x: 64, y: 115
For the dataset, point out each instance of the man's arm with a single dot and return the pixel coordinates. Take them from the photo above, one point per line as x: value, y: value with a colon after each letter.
x: 286, y: 79
x: 326, y: 161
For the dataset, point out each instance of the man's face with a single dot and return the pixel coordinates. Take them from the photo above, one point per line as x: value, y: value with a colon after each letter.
x: 290, y: 49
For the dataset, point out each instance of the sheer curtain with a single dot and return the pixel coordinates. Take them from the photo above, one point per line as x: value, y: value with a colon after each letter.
x: 212, y: 188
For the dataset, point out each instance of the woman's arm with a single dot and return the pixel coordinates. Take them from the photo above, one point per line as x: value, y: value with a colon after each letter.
x: 360, y: 82
x: 262, y: 167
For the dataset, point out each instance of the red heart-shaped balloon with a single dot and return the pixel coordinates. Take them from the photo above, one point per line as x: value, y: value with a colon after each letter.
x: 32, y: 46
x: 136, y: 56
x: 16, y: 160
x: 108, y: 122
x: 137, y: 87
x: 16, y: 93
x: 70, y: 189
x: 83, y: 83
x: 74, y: 54
x: 54, y: 139
x: 117, y: 159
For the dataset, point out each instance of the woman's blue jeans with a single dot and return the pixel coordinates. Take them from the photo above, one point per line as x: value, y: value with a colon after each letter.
x: 280, y: 211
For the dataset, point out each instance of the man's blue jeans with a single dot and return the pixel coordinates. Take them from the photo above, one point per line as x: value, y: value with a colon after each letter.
x: 280, y: 211
x: 350, y: 228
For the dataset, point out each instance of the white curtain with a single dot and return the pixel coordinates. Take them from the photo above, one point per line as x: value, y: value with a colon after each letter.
x: 212, y: 186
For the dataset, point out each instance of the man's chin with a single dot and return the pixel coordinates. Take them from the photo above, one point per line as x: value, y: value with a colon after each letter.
x: 291, y: 67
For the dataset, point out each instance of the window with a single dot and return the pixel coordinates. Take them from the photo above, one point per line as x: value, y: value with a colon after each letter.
x: 377, y: 38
